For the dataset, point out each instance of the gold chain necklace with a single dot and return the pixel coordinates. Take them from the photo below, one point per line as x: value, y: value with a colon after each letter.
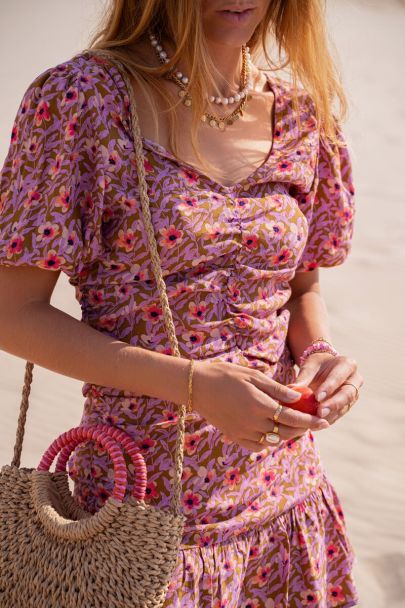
x: 209, y: 118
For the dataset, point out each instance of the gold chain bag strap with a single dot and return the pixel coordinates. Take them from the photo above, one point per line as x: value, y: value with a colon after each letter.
x: 55, y: 554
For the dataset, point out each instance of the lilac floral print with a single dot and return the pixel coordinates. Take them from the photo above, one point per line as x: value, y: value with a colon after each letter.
x: 264, y: 530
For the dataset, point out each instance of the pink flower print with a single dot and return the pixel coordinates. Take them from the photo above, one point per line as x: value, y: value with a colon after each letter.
x: 96, y: 297
x: 170, y: 236
x: 55, y: 167
x: 145, y: 445
x: 121, y: 290
x: 42, y: 113
x: 189, y: 203
x: 71, y: 95
x: 278, y: 133
x: 232, y: 478
x: 205, y: 519
x: 197, y: 311
x: 346, y: 215
x: 112, y: 265
x: 128, y: 203
x: 285, y: 165
x: 250, y: 241
x: 242, y: 202
x: 334, y: 185
x: 275, y: 491
x: 15, y: 245
x: 88, y: 202
x: 308, y: 266
x: 102, y: 493
x: 311, y: 471
x: 206, y: 475
x: 243, y: 321
x: 14, y: 133
x: 261, y: 576
x: 191, y: 442
x: 251, y: 603
x: 253, y: 551
x: 220, y: 604
x: 351, y: 189
x: 189, y: 175
x: 148, y: 166
x: 47, y: 232
x: 333, y: 243
x: 138, y: 274
x: 331, y: 551
x: 193, y: 338
x: 152, y: 312
x: 223, y: 334
x: 70, y: 129
x: 34, y: 196
x: 255, y: 506
x: 113, y: 160
x: 233, y: 291
x: 336, y: 595
x: 63, y: 199
x: 52, y: 261
x: 126, y: 239
x: 151, y: 491
x: 266, y: 477
x: 212, y: 231
x: 96, y: 471
x: 276, y: 229
x: 309, y: 123
x: 186, y: 473
x: 181, y: 288
x: 191, y: 501
x: 310, y: 598
x: 204, y: 540
x: 282, y: 257
x: 292, y: 445
x: 169, y: 419
x: 310, y: 435
x: 228, y: 565
x: 107, y: 322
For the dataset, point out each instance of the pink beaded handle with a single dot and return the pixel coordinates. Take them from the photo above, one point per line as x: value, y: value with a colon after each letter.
x: 128, y: 443
x: 79, y: 434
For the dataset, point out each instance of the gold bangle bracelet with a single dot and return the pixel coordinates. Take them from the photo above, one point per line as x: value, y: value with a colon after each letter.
x: 190, y: 387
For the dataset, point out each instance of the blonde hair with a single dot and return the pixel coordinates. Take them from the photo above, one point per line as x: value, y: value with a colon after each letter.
x: 297, y: 27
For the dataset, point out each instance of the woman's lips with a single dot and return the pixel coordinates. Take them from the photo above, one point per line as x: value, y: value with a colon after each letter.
x: 236, y: 17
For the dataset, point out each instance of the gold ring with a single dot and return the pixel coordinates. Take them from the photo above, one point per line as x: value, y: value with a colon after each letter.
x: 272, y: 437
x: 354, y: 386
x: 277, y: 412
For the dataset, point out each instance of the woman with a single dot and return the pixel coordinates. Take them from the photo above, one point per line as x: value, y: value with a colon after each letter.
x: 240, y: 247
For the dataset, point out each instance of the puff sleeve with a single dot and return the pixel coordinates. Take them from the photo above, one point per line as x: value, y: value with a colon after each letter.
x: 329, y: 207
x: 51, y: 182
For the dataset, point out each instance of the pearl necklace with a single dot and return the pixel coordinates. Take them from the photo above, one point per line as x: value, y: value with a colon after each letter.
x: 242, y: 96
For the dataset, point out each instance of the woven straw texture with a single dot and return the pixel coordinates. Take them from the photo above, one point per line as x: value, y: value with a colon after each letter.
x: 54, y: 554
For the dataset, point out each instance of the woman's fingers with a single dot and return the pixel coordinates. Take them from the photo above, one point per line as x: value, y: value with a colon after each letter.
x: 344, y: 368
x: 288, y: 416
x: 338, y: 402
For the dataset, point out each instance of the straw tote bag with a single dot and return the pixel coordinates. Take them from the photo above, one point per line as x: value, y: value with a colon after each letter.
x: 54, y: 554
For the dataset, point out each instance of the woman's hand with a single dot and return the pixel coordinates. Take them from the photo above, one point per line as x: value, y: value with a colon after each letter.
x: 241, y: 402
x: 326, y: 373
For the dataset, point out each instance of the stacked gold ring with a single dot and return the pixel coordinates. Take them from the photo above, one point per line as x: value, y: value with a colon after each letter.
x: 273, y: 436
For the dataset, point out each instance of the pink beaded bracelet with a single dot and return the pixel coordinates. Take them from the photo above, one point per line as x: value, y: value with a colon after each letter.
x: 318, y: 347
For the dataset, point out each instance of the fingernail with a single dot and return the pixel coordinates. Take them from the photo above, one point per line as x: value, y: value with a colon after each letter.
x: 293, y: 395
x: 323, y: 425
x: 321, y: 396
x: 324, y: 412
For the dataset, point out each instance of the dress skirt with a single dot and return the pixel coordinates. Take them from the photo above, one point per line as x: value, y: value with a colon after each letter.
x: 264, y: 529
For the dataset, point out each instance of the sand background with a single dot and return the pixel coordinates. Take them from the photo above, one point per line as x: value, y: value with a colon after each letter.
x: 364, y: 452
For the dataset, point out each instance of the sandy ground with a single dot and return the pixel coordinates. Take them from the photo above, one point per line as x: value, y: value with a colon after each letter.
x: 363, y: 452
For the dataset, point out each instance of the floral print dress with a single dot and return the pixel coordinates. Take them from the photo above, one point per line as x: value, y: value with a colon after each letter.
x: 264, y: 530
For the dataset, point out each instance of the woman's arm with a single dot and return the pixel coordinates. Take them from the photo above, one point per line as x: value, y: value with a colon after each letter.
x: 33, y: 329
x: 308, y: 313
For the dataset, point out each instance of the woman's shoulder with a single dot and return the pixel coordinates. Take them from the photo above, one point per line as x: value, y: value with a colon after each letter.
x: 76, y: 79
x: 285, y: 91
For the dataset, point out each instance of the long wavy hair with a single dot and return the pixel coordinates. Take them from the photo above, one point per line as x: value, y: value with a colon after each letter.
x: 296, y: 29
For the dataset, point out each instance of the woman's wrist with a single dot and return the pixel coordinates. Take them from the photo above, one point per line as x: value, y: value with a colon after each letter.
x: 319, y: 345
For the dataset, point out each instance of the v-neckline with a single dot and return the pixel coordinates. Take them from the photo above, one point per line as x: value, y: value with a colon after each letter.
x: 164, y: 152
